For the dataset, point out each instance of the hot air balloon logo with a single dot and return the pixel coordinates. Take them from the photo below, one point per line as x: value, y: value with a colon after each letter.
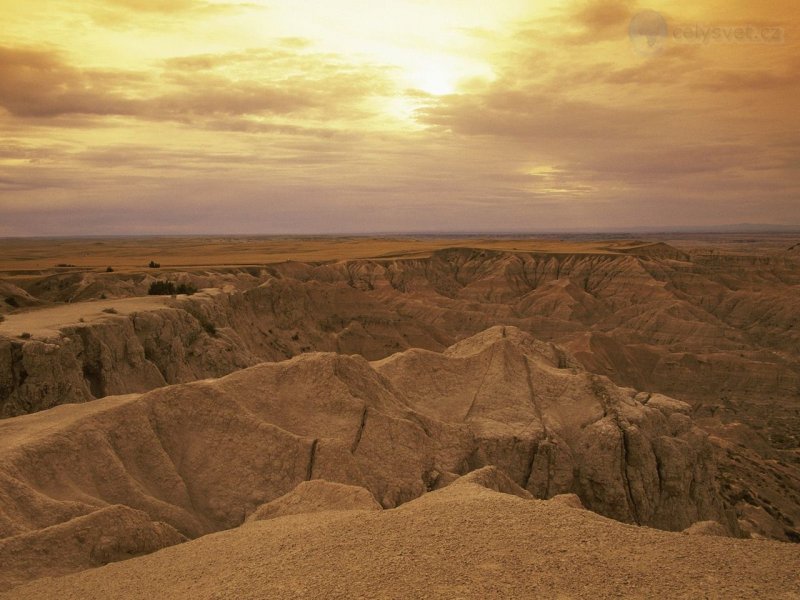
x: 648, y: 32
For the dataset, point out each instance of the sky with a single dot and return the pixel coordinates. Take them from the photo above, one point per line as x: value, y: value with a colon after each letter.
x: 363, y: 116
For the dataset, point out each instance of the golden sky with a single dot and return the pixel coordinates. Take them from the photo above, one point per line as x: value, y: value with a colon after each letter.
x: 342, y: 116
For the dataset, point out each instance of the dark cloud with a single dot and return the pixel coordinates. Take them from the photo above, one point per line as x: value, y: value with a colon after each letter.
x: 35, y: 83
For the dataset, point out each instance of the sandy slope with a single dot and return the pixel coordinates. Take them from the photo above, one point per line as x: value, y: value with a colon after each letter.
x: 462, y: 542
x: 50, y: 320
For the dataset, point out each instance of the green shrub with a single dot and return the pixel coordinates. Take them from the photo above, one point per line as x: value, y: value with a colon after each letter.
x: 109, y: 269
x: 186, y: 288
x: 167, y: 288
x: 161, y: 288
x: 154, y: 265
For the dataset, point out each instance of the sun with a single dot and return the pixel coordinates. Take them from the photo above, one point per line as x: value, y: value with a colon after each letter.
x: 434, y: 79
x: 441, y: 74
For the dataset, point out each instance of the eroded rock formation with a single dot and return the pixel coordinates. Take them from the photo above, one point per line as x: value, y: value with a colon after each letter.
x: 200, y: 457
x: 717, y: 330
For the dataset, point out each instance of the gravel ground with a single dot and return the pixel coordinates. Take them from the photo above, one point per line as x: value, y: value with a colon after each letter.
x: 462, y: 542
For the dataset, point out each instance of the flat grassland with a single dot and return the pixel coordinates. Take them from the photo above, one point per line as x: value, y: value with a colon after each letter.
x: 134, y: 253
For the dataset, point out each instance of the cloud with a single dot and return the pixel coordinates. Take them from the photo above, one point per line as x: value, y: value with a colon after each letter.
x: 529, y: 115
x: 259, y: 82
x: 121, y: 14
x: 157, y: 6
x: 752, y: 80
x: 601, y: 19
x: 38, y: 83
x: 581, y: 22
x: 568, y: 128
x: 628, y: 123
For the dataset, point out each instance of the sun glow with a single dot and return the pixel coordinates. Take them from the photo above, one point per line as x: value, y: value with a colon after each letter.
x: 434, y: 79
x: 440, y: 75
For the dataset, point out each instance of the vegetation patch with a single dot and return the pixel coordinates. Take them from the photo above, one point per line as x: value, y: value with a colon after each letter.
x: 167, y: 288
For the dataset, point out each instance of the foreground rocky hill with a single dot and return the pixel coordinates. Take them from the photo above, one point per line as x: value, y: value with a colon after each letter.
x: 506, y: 546
x: 86, y: 484
x: 717, y: 330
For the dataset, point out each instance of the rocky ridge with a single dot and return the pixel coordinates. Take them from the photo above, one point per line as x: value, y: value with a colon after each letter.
x: 191, y: 459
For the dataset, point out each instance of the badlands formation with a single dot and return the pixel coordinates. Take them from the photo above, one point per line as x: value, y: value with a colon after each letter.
x: 514, y: 418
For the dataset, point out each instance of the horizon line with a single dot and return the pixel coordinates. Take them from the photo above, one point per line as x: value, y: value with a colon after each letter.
x: 711, y: 229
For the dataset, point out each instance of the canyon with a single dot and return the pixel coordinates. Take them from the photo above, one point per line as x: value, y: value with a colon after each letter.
x: 654, y: 382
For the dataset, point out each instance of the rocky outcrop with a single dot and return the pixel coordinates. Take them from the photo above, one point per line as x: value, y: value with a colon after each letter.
x: 555, y: 428
x: 493, y: 479
x: 201, y: 457
x: 119, y: 354
x: 13, y: 297
x: 314, y: 496
x: 79, y: 285
x: 711, y: 528
x: 106, y: 535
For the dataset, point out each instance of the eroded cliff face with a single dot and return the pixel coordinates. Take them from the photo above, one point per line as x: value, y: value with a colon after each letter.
x: 555, y: 429
x: 722, y: 333
x: 201, y: 457
x: 118, y: 354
